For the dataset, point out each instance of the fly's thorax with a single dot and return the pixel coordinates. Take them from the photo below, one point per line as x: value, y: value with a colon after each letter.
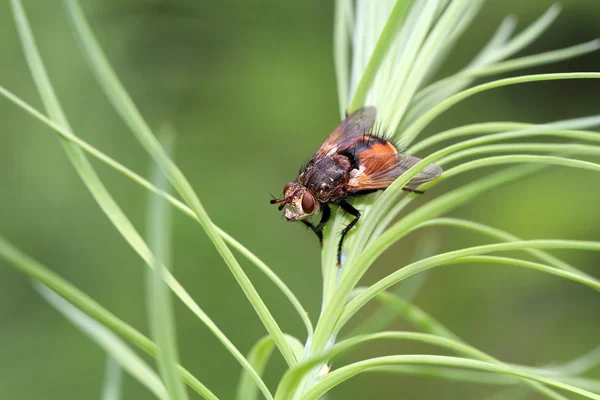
x: 327, y: 177
x: 300, y: 202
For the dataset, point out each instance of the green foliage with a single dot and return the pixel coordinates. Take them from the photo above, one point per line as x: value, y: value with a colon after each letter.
x: 396, y: 49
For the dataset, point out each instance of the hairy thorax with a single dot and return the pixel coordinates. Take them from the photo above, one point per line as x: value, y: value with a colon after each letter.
x: 326, y: 177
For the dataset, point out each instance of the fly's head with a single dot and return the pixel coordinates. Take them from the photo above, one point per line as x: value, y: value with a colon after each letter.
x: 298, y: 201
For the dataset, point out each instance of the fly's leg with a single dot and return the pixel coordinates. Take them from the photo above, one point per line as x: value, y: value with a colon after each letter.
x: 314, y: 229
x: 326, y: 213
x: 318, y: 230
x: 411, y: 190
x: 353, y: 211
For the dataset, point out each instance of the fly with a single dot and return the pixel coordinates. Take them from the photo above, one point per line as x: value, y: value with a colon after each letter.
x: 352, y: 161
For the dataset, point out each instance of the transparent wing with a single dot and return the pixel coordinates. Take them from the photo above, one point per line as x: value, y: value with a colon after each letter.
x: 378, y: 172
x: 351, y: 129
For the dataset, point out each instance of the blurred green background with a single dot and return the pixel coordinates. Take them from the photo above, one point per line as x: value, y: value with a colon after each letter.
x: 250, y: 88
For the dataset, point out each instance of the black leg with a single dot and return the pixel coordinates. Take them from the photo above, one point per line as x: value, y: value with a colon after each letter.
x: 326, y: 213
x: 318, y: 230
x: 353, y: 211
x: 314, y: 229
x: 411, y: 190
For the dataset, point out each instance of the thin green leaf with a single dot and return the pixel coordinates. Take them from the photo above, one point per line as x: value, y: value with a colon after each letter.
x: 407, y: 290
x: 128, y: 111
x: 344, y: 373
x: 175, y: 202
x: 95, y: 185
x: 443, y: 88
x: 396, y: 70
x: 495, y: 127
x: 593, y: 385
x: 497, y: 41
x: 444, y: 373
x: 577, y: 366
x: 113, y: 380
x: 341, y: 58
x: 384, y: 42
x: 561, y: 148
x: 329, y: 268
x: 535, y: 60
x: 259, y: 356
x: 413, y: 314
x: 427, y: 323
x: 415, y: 128
x: 501, y: 235
x: 522, y: 159
x: 434, y: 43
x: 162, y: 320
x: 528, y: 35
x: 467, y: 255
x: 462, y: 24
x: 77, y: 298
x: 110, y: 342
x: 447, y: 340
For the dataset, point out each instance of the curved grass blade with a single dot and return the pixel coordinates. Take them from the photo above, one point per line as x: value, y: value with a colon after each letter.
x: 86, y: 304
x: 495, y: 127
x: 501, y: 235
x: 108, y: 341
x: 162, y: 320
x: 512, y: 159
x: 467, y: 255
x: 447, y: 340
x: 427, y: 323
x: 125, y: 107
x: 113, y: 380
x: 407, y: 290
x: 561, y: 149
x: 578, y: 366
x: 443, y: 88
x: 528, y: 35
x: 341, y: 57
x: 259, y: 356
x: 444, y: 373
x: 342, y: 374
x: 535, y: 60
x: 416, y: 127
x: 413, y: 314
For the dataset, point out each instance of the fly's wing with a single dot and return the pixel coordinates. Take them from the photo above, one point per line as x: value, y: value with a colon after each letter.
x: 377, y: 172
x: 351, y: 129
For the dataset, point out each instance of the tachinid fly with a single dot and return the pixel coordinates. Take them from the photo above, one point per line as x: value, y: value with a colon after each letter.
x: 352, y: 161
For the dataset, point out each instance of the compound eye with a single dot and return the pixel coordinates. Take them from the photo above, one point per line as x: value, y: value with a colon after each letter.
x: 308, y: 203
x: 287, y: 187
